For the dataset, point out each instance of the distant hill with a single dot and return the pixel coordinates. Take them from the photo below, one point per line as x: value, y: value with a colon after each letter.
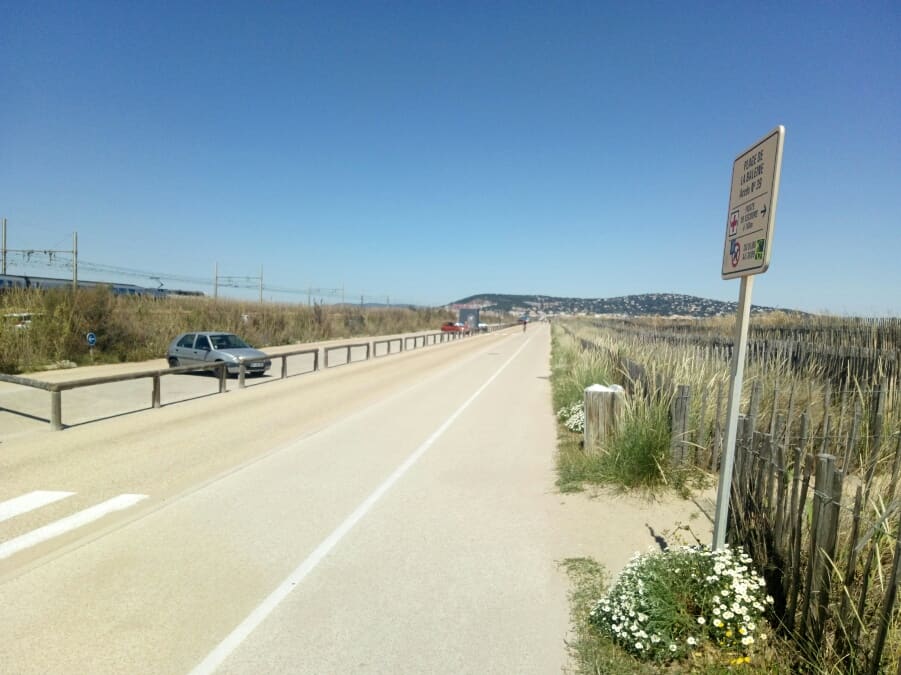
x: 648, y: 304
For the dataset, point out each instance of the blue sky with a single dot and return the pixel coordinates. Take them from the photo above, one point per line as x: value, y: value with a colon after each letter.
x: 429, y: 151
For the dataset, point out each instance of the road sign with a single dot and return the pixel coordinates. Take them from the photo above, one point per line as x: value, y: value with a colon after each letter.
x: 749, y: 233
x: 752, y: 207
x: 92, y: 339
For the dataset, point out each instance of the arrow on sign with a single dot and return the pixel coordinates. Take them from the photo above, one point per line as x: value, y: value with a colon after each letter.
x: 763, y: 211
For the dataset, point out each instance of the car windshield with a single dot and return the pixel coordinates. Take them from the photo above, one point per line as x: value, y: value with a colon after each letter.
x: 227, y: 341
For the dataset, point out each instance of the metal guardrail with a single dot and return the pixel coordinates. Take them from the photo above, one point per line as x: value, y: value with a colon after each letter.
x: 387, y: 343
x: 347, y: 348
x: 221, y: 368
x: 242, y: 367
x: 57, y: 388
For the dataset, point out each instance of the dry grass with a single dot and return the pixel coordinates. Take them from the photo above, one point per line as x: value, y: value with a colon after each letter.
x: 130, y: 328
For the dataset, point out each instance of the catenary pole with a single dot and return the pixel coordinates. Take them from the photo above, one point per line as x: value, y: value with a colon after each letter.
x: 4, y: 247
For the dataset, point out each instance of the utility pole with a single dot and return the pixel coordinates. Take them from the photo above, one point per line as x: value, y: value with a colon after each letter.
x: 237, y: 282
x: 4, y: 247
x: 4, y: 253
x: 342, y: 294
x: 216, y: 281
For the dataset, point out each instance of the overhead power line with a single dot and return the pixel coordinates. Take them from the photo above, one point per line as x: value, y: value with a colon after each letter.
x: 65, y: 260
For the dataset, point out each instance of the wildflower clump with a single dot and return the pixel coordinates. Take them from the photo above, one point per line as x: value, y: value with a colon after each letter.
x: 573, y: 417
x: 665, y: 605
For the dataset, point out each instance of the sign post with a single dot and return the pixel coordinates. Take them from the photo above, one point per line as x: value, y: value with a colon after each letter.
x: 748, y: 246
x: 92, y: 340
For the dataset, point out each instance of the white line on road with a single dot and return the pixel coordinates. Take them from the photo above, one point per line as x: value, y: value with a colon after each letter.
x: 29, y: 502
x: 234, y: 639
x: 72, y: 522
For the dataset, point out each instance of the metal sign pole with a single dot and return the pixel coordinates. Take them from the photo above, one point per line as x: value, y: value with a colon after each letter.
x: 739, y: 351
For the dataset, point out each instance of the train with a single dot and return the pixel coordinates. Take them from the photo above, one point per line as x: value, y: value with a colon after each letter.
x: 11, y: 281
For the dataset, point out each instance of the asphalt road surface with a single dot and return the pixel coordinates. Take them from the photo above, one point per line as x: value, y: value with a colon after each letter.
x: 391, y: 516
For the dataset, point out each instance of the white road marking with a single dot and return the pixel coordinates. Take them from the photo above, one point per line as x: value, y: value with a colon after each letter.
x: 29, y: 502
x: 234, y: 639
x: 72, y: 522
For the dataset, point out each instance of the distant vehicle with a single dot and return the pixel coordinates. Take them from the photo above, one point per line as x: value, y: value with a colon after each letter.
x: 483, y: 327
x: 469, y: 316
x: 453, y: 327
x: 212, y: 346
x: 524, y: 319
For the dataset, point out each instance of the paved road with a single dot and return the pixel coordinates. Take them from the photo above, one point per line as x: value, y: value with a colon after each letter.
x: 394, y: 516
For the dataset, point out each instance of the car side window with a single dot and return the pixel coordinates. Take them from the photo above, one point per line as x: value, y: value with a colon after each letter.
x: 187, y: 341
x: 202, y: 343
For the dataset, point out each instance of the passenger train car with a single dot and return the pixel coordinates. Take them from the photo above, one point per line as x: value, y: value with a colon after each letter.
x: 10, y: 281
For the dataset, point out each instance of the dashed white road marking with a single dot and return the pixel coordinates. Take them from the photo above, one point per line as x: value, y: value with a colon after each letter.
x: 67, y: 524
x: 29, y: 502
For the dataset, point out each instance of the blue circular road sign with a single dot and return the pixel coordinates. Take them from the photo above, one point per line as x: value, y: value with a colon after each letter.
x: 92, y: 339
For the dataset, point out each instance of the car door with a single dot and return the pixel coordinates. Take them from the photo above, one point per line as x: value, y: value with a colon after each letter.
x: 202, y: 349
x: 184, y: 349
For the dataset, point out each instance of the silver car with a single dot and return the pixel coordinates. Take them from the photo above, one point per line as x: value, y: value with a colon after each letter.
x: 212, y: 346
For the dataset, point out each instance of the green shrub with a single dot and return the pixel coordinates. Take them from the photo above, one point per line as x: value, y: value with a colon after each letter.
x: 573, y: 417
x: 666, y: 605
x: 637, y: 453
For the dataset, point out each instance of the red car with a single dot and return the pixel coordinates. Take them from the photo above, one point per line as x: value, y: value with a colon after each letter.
x: 451, y: 327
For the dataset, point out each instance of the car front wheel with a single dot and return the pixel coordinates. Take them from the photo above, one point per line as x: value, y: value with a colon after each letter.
x: 173, y: 362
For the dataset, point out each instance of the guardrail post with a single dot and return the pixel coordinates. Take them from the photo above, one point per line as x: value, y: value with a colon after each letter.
x: 325, y: 357
x: 242, y: 369
x: 155, y: 397
x: 56, y: 410
x: 316, y: 361
x: 367, y: 351
x: 347, y: 360
x: 223, y: 374
x: 284, y: 367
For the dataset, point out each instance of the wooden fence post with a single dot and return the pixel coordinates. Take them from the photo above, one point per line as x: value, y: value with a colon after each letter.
x: 155, y: 395
x: 679, y: 411
x: 56, y: 410
x: 603, y: 411
x: 821, y: 556
x: 888, y: 605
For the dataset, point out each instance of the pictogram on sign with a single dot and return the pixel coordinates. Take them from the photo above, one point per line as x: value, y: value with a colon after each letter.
x: 735, y: 252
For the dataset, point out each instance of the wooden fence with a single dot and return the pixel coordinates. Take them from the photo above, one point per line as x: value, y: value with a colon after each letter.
x: 824, y: 537
x: 814, y: 501
x: 836, y: 362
